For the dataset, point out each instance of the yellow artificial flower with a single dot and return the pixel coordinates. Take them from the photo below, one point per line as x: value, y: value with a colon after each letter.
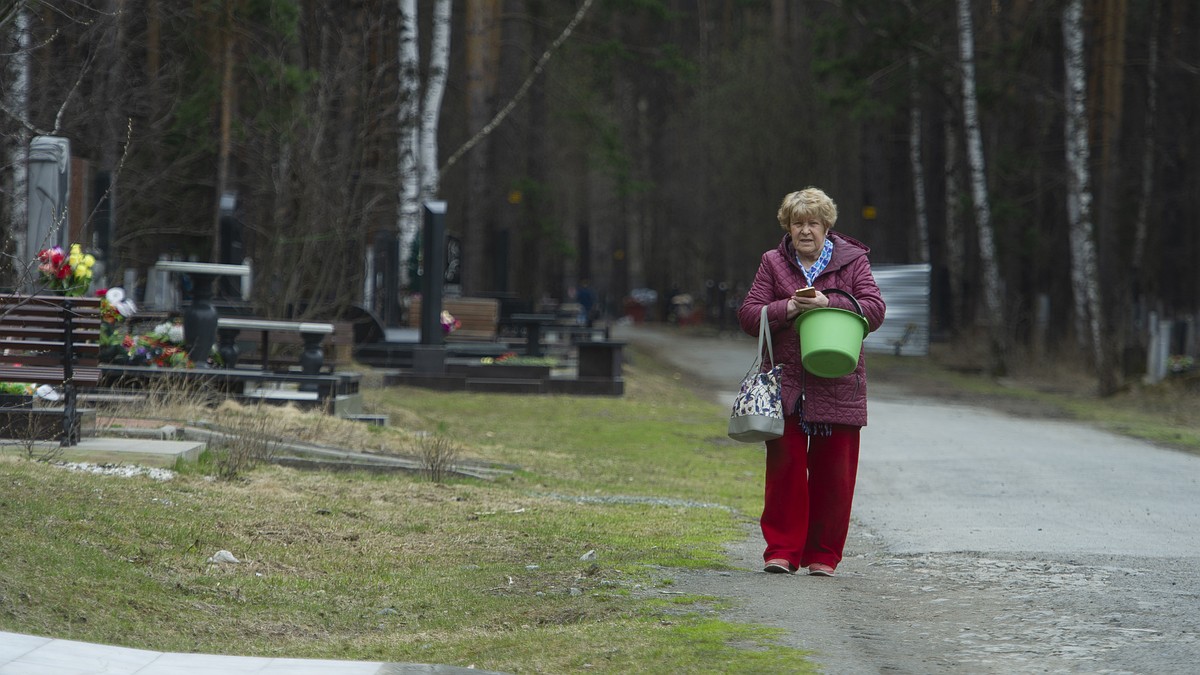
x: 89, y: 260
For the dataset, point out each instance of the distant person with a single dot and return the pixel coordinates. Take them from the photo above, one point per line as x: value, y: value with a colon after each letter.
x: 811, y: 470
x: 587, y: 300
x: 186, y: 287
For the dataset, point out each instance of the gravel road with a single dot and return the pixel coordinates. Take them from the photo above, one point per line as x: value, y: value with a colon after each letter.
x: 981, y: 543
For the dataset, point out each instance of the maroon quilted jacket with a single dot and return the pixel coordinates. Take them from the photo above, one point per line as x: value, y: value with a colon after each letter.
x: 819, y: 400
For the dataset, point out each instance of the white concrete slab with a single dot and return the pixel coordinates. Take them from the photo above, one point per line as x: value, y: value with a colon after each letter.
x: 141, y: 451
x: 30, y: 655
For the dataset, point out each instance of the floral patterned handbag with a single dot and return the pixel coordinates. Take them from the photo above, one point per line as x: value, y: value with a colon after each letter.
x: 758, y: 409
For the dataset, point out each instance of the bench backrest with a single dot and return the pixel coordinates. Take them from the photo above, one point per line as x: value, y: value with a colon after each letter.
x: 479, y: 317
x: 34, y: 334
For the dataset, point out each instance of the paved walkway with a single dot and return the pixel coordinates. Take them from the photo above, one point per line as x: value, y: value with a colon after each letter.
x: 720, y: 361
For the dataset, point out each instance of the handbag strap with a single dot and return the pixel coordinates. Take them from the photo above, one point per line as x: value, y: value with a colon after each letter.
x: 764, y: 334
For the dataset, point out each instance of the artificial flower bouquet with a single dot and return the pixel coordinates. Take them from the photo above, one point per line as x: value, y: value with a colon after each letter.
x: 162, y: 347
x: 17, y: 388
x: 27, y: 390
x: 115, y: 308
x: 66, y: 272
x: 16, y: 395
x: 515, y: 359
x: 506, y: 357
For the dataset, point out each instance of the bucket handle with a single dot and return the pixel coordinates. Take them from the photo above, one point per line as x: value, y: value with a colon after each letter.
x: 852, y: 299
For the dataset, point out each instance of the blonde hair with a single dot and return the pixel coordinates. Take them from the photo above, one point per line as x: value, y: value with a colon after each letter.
x: 810, y: 201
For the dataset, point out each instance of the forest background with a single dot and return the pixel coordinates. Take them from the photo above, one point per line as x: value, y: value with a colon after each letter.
x: 1039, y: 155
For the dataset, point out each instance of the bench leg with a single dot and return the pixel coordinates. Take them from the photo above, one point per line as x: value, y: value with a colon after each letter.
x: 71, y: 431
x: 533, y: 340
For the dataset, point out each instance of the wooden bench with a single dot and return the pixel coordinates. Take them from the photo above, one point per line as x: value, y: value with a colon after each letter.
x: 311, y: 334
x: 51, y: 339
x: 479, y: 317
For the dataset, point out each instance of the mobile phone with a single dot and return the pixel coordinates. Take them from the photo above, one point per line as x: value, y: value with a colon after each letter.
x: 806, y: 292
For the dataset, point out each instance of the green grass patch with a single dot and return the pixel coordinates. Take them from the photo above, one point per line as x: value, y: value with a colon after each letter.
x: 396, y: 568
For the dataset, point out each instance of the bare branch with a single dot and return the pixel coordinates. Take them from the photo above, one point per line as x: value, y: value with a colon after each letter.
x: 537, y: 70
x: 24, y: 122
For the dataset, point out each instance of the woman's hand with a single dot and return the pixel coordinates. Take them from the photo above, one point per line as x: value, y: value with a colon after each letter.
x: 793, y: 309
x: 799, y: 304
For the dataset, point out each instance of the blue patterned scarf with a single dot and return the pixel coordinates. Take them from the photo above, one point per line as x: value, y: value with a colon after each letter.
x: 815, y: 271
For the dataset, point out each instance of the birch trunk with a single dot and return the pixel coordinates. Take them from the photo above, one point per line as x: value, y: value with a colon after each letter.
x: 1084, y: 281
x: 408, y: 124
x: 431, y: 107
x: 983, y: 214
x: 16, y: 102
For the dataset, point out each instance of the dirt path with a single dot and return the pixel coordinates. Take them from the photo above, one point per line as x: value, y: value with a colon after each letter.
x: 981, y: 543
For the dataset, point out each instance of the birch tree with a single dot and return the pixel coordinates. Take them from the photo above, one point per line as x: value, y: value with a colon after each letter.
x: 408, y: 124
x: 431, y: 106
x: 1084, y: 273
x: 16, y: 104
x: 983, y: 216
x: 417, y: 119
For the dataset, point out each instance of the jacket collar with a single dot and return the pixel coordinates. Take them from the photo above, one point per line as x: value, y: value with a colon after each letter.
x: 845, y: 249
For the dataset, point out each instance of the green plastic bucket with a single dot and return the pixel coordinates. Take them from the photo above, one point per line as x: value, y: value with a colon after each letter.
x: 831, y: 338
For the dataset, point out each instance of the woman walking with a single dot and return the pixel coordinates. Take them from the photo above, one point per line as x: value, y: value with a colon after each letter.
x: 811, y: 470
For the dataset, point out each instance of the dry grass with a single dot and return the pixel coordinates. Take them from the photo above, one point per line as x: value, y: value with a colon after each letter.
x: 392, y: 567
x: 438, y: 456
x: 244, y: 435
x: 1058, y: 384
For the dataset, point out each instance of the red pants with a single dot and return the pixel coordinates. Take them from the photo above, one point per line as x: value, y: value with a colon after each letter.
x: 809, y: 487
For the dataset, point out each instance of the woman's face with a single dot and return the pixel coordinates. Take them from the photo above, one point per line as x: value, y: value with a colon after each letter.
x: 808, y: 236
